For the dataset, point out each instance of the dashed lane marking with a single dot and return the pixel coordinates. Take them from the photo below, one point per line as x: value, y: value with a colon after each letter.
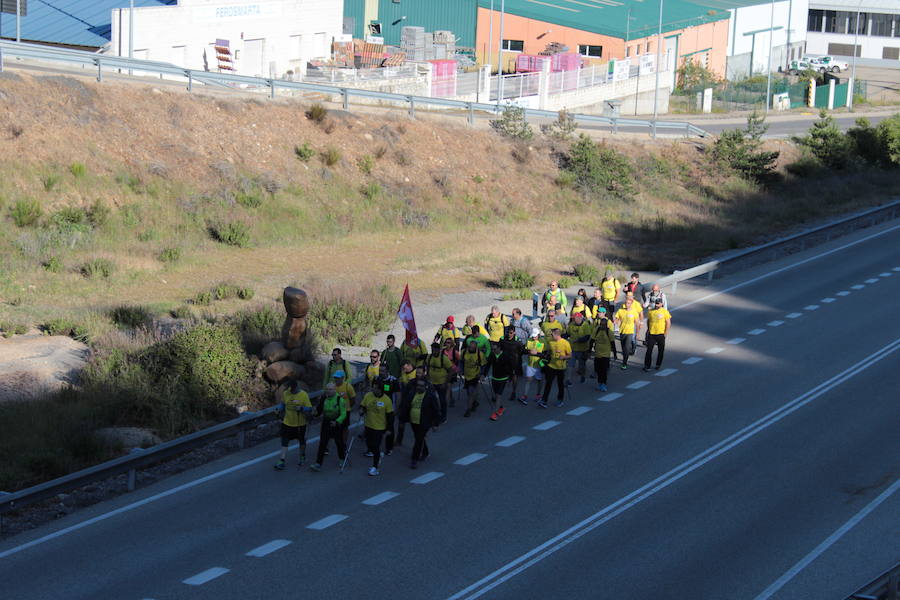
x: 469, y: 459
x: 756, y: 332
x: 827, y: 300
x: 885, y: 274
x: 268, y: 548
x: 427, y: 478
x: 873, y: 280
x: 715, y: 350
x: 638, y: 384
x: 610, y: 397
x: 666, y: 372
x: 380, y: 498
x: 811, y: 307
x: 577, y: 412
x: 326, y: 522
x: 736, y: 341
x: 510, y: 441
x: 546, y: 425
x: 857, y: 286
x: 691, y: 361
x: 775, y: 323
x: 843, y: 293
x: 897, y: 269
x: 793, y: 316
x: 205, y: 576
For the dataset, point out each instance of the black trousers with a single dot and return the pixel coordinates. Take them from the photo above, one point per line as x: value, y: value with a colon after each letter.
x: 559, y: 375
x: 658, y: 340
x: 327, y: 434
x: 420, y: 447
x: 627, y: 341
x: 441, y: 389
x: 601, y: 367
x: 373, y: 443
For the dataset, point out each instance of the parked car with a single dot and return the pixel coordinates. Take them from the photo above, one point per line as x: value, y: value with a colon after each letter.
x: 798, y: 66
x: 826, y: 63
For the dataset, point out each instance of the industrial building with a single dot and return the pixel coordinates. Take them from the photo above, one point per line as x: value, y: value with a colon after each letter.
x: 750, y: 31
x: 832, y: 28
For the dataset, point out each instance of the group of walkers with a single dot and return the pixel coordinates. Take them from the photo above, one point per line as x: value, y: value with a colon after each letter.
x: 415, y: 385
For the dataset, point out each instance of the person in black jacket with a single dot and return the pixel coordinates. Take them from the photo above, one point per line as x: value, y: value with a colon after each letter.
x: 502, y: 368
x: 421, y: 408
x: 513, y: 348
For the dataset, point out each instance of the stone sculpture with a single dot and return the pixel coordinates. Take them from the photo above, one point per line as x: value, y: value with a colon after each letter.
x: 292, y: 357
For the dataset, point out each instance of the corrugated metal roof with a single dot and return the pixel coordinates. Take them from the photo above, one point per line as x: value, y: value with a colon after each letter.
x: 70, y: 22
x: 609, y: 17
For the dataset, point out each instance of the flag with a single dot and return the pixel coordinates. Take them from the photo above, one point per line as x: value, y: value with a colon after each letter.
x: 405, y: 314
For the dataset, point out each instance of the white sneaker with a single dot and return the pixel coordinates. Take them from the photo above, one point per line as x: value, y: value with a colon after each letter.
x: 373, y: 471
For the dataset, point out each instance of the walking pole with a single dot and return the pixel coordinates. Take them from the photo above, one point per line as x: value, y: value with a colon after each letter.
x: 349, y: 446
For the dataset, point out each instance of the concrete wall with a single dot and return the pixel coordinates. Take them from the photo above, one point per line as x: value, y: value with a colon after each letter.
x: 738, y: 66
x: 870, y: 47
x: 591, y: 99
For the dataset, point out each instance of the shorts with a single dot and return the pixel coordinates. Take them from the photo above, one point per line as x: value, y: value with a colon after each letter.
x: 498, y: 385
x: 471, y: 383
x: 533, y: 372
x: 580, y: 355
x: 289, y: 433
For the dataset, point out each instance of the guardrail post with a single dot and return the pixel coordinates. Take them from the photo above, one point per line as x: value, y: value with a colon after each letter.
x: 345, y: 96
x: 272, y: 89
x: 99, y: 70
x: 709, y: 277
x: 241, y: 439
x: 1, y: 60
x: 132, y: 477
x: 471, y: 115
x: 675, y: 283
x: 412, y: 106
x: 615, y: 124
x: 190, y: 78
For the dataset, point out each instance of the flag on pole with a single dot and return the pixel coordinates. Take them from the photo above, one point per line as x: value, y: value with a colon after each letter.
x: 405, y: 314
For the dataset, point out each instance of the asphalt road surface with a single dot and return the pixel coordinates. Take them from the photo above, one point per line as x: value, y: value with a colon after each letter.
x: 763, y: 461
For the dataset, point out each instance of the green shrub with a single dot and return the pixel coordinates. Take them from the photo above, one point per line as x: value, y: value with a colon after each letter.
x: 370, y: 191
x: 26, y: 212
x: 70, y: 219
x: 130, y: 317
x: 78, y: 170
x: 739, y: 149
x: 521, y: 294
x: 98, y: 267
x: 148, y: 235
x: 170, y: 255
x: 67, y: 328
x: 304, y: 152
x: 478, y: 178
x: 225, y: 291
x: 203, y: 298
x: 597, y: 168
x: 351, y: 315
x: 53, y: 264
x: 366, y: 163
x: 512, y: 124
x: 231, y: 233
x: 131, y: 182
x: 380, y: 151
x: 250, y: 198
x: 246, y: 293
x: 182, y: 312
x: 516, y: 274
x: 10, y: 329
x: 331, y: 156
x: 50, y: 181
x: 562, y: 128
x: 828, y: 143
x: 587, y: 273
x: 317, y: 113
x: 259, y: 326
x: 566, y: 179
x: 566, y: 282
x: 889, y: 138
x: 98, y: 214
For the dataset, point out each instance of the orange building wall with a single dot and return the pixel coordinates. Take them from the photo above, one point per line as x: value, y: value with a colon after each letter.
x: 536, y: 37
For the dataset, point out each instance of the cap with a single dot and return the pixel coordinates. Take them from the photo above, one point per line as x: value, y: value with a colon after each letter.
x: 535, y: 333
x: 450, y: 319
x: 601, y: 310
x: 339, y: 373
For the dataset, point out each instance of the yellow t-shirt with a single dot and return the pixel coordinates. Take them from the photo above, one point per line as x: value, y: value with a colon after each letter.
x: 495, y: 327
x: 293, y: 417
x: 415, y: 409
x: 657, y: 319
x: 538, y: 346
x: 581, y: 309
x: 415, y: 355
x: 627, y: 319
x: 472, y: 363
x: 372, y: 372
x: 603, y: 340
x: 449, y: 334
x: 377, y: 410
x: 438, y: 369
x: 558, y: 349
x: 467, y: 330
x: 609, y: 288
x: 347, y: 393
x: 576, y: 331
x: 406, y: 377
x: 548, y: 326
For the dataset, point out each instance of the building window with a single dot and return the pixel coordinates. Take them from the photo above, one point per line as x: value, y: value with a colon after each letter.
x: 863, y: 23
x: 890, y: 53
x: 514, y: 45
x: 592, y: 51
x: 881, y: 24
x: 627, y: 51
x: 816, y: 20
x: 835, y: 22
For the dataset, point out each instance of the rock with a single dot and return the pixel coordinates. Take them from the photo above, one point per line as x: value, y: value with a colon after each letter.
x: 128, y: 437
x: 273, y: 352
x: 326, y: 174
x: 296, y: 303
x: 302, y: 354
x: 284, y: 369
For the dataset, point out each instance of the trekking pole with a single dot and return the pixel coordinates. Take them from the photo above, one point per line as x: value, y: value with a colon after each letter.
x: 349, y: 446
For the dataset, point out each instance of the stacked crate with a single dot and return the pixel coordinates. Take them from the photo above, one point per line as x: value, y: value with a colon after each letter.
x: 415, y: 43
x: 443, y: 78
x: 444, y: 45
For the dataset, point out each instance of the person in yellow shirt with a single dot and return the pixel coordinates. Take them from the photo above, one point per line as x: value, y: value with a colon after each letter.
x: 628, y: 318
x: 579, y: 334
x: 604, y: 343
x: 438, y: 365
x: 296, y: 407
x: 550, y: 323
x: 495, y: 324
x: 579, y: 307
x: 379, y: 418
x: 415, y: 352
x: 534, y: 350
x: 407, y: 378
x: 373, y: 369
x: 659, y: 320
x: 559, y: 351
x: 473, y: 361
x: 467, y: 328
x: 609, y: 291
x: 448, y: 331
x: 554, y: 298
x: 346, y: 391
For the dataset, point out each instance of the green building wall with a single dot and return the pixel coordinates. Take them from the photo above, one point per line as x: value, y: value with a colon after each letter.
x: 457, y: 16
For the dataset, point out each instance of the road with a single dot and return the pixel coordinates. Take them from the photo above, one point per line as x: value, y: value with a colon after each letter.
x: 763, y: 462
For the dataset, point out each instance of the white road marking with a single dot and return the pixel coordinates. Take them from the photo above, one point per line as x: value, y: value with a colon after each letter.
x: 609, y: 512
x: 427, y: 478
x: 638, y: 384
x: 609, y: 397
x: 756, y: 332
x: 843, y: 293
x: 268, y: 548
x: 204, y: 576
x: 510, y: 441
x: 871, y: 280
x: 829, y: 541
x: 827, y: 300
x: 666, y: 372
x: 691, y: 361
x: 380, y: 498
x: 775, y: 323
x: 577, y: 412
x: 715, y: 350
x: 546, y: 425
x: 897, y: 269
x: 811, y: 307
x: 885, y: 274
x: 793, y: 315
x: 469, y: 459
x: 326, y: 522
x: 857, y: 287
x: 736, y: 341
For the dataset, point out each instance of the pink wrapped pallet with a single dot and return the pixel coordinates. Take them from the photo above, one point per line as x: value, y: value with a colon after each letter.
x: 443, y: 69
x: 524, y: 63
x: 566, y: 62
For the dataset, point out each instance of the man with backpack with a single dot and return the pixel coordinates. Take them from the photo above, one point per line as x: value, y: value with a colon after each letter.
x: 534, y: 364
x: 635, y: 288
x: 558, y: 353
x: 334, y: 411
x: 604, y: 342
x: 554, y: 298
x: 495, y: 324
x: 296, y: 407
x: 421, y: 409
x: 438, y: 367
x: 472, y: 362
x: 337, y: 363
x: 579, y: 334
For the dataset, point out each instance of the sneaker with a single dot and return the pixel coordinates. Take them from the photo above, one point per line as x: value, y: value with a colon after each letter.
x: 279, y: 466
x: 602, y: 387
x: 524, y: 400
x: 568, y: 383
x: 541, y: 404
x: 468, y: 413
x: 500, y: 411
x: 369, y: 454
x: 326, y: 451
x: 373, y: 471
x: 538, y: 398
x: 493, y: 417
x: 315, y: 467
x: 560, y: 403
x: 301, y: 460
x: 624, y: 367
x: 646, y: 369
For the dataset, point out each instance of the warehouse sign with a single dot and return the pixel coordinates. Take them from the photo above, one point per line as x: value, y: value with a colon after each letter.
x: 237, y: 12
x: 9, y: 6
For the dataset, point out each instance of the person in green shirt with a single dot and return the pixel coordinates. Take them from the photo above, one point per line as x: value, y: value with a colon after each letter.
x: 296, y: 407
x: 414, y: 352
x: 379, y: 418
x: 471, y: 362
x: 579, y: 333
x: 337, y: 363
x: 392, y: 356
x: 333, y: 409
x: 603, y: 342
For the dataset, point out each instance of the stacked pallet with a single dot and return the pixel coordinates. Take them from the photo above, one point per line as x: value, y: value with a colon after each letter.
x: 223, y: 55
x: 444, y: 45
x: 443, y: 78
x: 530, y: 63
x: 343, y: 54
x: 416, y: 43
x: 368, y: 55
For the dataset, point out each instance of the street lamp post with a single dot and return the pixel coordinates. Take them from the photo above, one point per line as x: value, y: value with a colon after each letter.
x: 18, y: 20
x: 659, y: 42
x: 500, y: 55
x: 855, y: 52
x: 131, y: 29
x: 769, y: 74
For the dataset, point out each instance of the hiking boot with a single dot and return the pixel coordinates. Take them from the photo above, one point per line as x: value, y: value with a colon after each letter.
x: 646, y: 369
x: 315, y: 467
x: 373, y: 471
x: 500, y: 411
x: 523, y: 400
x: 279, y: 466
x: 493, y: 416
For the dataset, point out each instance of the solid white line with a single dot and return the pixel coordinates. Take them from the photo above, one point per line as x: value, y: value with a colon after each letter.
x: 715, y: 350
x: 326, y: 522
x: 470, y: 458
x: 426, y: 478
x: 857, y: 287
x: 577, y: 412
x: 510, y: 441
x: 736, y: 341
x: 380, y: 498
x: 207, y: 575
x: 268, y: 548
x: 540, y: 552
x: 829, y: 541
x: 756, y: 332
x: 843, y: 293
x: 638, y: 384
x: 775, y: 323
x: 610, y: 397
x: 691, y: 361
x: 871, y: 280
x: 546, y: 425
x: 793, y: 316
x: 666, y: 372
x: 811, y: 307
x: 788, y: 267
x: 827, y: 300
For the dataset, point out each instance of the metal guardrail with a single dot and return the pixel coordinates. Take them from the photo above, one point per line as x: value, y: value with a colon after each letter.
x: 885, y: 587
x: 118, y: 63
x: 794, y: 243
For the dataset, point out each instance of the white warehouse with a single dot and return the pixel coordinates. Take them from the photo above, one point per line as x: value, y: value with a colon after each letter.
x: 833, y: 28
x: 263, y: 38
x: 750, y: 29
